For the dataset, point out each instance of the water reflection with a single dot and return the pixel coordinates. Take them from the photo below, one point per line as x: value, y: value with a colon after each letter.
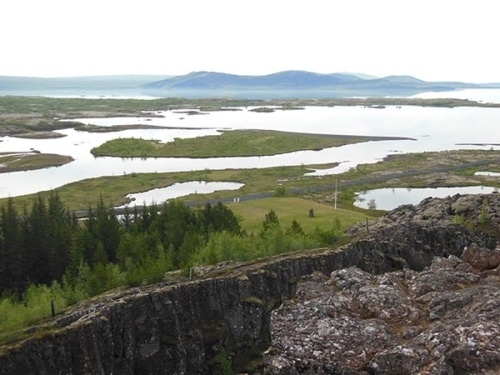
x: 489, y: 174
x: 177, y: 190
x: 390, y: 198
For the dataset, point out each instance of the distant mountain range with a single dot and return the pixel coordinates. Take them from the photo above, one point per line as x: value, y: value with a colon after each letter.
x: 286, y: 84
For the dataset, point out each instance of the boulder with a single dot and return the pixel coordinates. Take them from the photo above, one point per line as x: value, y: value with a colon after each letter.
x: 481, y: 258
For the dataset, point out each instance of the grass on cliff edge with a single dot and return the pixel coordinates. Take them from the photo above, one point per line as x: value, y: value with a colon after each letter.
x: 229, y: 144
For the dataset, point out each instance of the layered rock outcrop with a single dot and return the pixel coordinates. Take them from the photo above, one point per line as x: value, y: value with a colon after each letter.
x: 444, y: 320
x: 181, y: 328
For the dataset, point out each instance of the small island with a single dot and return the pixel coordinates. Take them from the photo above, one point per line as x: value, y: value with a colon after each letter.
x: 234, y: 143
x: 29, y: 160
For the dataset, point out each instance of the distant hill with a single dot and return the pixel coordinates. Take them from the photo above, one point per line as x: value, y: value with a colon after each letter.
x: 296, y: 83
x: 285, y: 84
x: 361, y: 75
x: 293, y: 79
x: 282, y: 80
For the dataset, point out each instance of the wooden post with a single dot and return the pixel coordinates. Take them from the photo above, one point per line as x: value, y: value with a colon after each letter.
x: 53, y: 307
x: 311, y: 212
x: 367, y: 229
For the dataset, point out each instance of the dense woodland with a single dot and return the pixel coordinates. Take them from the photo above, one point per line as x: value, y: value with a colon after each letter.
x: 49, y: 258
x: 46, y: 253
x: 46, y: 242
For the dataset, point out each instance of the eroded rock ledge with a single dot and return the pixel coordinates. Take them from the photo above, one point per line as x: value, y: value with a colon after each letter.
x: 180, y: 329
x: 444, y: 320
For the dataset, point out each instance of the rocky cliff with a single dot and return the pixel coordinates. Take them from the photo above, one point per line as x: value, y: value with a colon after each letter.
x: 443, y: 319
x: 182, y: 328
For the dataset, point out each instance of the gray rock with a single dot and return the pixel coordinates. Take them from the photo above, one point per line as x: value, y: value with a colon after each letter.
x: 445, y: 320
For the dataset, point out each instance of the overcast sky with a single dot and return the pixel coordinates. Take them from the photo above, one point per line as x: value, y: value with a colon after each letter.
x: 428, y: 39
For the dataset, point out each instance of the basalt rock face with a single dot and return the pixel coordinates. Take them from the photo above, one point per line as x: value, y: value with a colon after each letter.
x: 181, y: 328
x: 475, y: 209
x: 159, y: 330
x: 444, y: 320
x: 441, y: 317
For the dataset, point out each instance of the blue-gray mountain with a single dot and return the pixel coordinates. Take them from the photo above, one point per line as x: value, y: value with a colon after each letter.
x: 296, y: 83
x: 286, y: 84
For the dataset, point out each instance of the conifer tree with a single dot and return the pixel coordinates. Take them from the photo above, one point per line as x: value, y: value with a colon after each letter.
x: 12, y: 268
x: 271, y: 220
x: 107, y: 230
x: 37, y: 243
x: 62, y: 226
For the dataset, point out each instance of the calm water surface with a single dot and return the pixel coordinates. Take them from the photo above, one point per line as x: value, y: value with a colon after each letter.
x: 180, y: 189
x: 433, y: 129
x: 390, y: 198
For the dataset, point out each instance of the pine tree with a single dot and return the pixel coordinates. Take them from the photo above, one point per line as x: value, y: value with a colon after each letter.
x: 295, y: 229
x: 271, y: 220
x: 108, y: 230
x: 37, y: 243
x: 62, y: 226
x: 219, y: 218
x: 12, y: 264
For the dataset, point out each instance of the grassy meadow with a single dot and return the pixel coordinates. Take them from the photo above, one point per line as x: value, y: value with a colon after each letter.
x: 251, y: 213
x: 228, y: 144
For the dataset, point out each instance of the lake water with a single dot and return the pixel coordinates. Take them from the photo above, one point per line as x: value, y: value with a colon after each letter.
x: 486, y: 173
x: 390, y: 198
x: 176, y: 190
x: 433, y: 129
x: 479, y: 95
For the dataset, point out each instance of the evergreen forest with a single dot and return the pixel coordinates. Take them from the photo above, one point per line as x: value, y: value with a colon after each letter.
x: 48, y: 256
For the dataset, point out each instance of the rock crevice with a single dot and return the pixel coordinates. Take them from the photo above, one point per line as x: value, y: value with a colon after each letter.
x: 181, y: 328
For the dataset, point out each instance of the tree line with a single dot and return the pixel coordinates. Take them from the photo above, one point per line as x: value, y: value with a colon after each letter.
x: 49, y: 257
x: 46, y: 242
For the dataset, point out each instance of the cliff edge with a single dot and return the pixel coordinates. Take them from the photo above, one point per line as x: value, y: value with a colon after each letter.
x: 182, y: 328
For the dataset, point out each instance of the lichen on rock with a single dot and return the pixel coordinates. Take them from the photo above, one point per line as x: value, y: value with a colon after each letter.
x: 443, y: 318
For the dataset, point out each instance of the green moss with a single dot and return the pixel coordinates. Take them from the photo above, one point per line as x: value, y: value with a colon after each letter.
x: 272, y: 304
x: 213, y: 331
x: 253, y: 300
x: 222, y: 364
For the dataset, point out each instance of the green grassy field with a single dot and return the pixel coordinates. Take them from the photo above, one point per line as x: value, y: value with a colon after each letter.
x: 252, y: 213
x: 229, y: 143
